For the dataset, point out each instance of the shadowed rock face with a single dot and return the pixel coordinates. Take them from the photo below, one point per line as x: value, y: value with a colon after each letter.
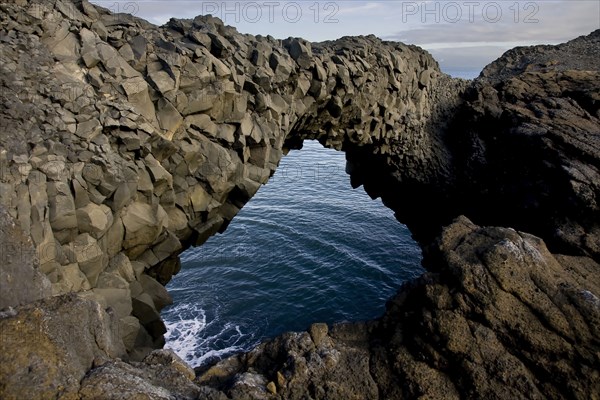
x: 129, y: 143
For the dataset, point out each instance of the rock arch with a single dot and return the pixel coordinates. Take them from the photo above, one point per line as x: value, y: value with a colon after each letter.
x: 134, y: 142
x: 127, y: 143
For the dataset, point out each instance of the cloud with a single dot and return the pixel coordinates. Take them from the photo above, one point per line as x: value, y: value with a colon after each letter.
x: 550, y: 20
x: 348, y: 7
x: 479, y: 30
x: 483, y: 34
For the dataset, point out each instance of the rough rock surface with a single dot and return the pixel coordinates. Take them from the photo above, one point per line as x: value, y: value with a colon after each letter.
x: 537, y: 133
x: 47, y: 347
x: 130, y: 143
x: 21, y: 282
x: 134, y: 142
x: 501, y: 317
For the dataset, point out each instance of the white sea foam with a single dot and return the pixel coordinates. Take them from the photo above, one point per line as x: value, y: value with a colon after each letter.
x: 187, y: 335
x: 184, y: 328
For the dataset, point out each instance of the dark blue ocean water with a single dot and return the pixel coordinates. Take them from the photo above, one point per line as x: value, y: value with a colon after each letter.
x: 307, y: 248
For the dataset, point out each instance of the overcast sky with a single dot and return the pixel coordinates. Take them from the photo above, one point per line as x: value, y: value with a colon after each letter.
x: 460, y: 34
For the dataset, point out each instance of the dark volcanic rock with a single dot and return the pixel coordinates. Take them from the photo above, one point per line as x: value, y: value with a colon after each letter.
x: 130, y: 143
x: 579, y: 54
x: 528, y: 156
x: 161, y: 376
x: 501, y: 317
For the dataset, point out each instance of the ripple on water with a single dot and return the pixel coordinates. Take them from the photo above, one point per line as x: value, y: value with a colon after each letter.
x: 306, y: 248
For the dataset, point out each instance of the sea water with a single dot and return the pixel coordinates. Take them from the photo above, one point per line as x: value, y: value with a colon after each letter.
x: 307, y: 248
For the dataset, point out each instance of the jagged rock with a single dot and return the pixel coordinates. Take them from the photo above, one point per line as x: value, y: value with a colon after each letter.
x: 203, y: 123
x: 88, y: 130
x: 162, y: 81
x: 129, y: 327
x: 158, y: 293
x: 200, y: 101
x: 54, y: 351
x: 318, y: 332
x: 200, y: 199
x: 338, y: 368
x: 62, y: 206
x: 169, y: 118
x: 170, y: 359
x: 115, y: 290
x: 21, y: 282
x: 94, y: 219
x: 70, y: 279
x: 137, y: 93
x: 113, y: 239
x: 119, y: 381
x: 144, y: 309
x: 122, y: 265
x: 142, y: 224
x: 299, y: 51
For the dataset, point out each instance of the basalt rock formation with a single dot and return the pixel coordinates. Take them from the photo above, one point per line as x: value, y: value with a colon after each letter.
x: 125, y: 143
x: 130, y: 143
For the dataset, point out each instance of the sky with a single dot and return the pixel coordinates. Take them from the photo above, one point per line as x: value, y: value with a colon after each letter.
x: 461, y: 35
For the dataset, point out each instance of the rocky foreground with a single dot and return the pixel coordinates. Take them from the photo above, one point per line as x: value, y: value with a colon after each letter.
x: 124, y: 143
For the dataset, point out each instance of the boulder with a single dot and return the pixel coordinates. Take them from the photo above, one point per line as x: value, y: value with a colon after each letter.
x: 62, y: 206
x: 161, y: 178
x: 199, y: 198
x: 200, y: 101
x: 94, y: 219
x: 201, y: 122
x: 118, y: 381
x: 136, y: 89
x: 129, y: 327
x: 113, y: 239
x: 318, y: 332
x: 300, y: 51
x: 70, y: 279
x: 167, y: 247
x: 67, y: 49
x: 162, y: 81
x: 143, y: 224
x: 168, y: 358
x: 144, y: 309
x: 90, y: 129
x: 169, y: 118
x: 119, y: 300
x: 122, y: 265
